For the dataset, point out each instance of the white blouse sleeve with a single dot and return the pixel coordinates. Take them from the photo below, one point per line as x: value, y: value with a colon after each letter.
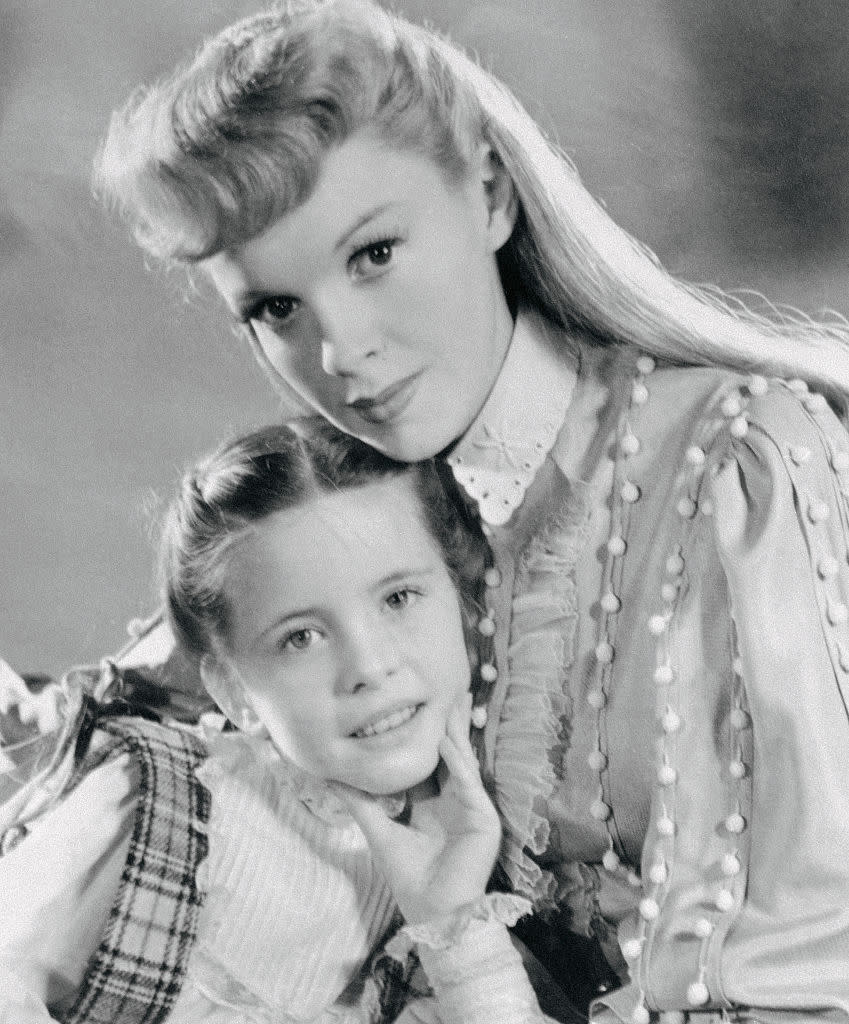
x: 745, y: 868
x: 782, y: 533
x: 57, y: 886
x: 18, y: 1003
x: 475, y: 971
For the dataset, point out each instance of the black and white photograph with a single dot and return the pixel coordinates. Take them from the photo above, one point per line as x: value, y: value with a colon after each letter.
x: 424, y: 458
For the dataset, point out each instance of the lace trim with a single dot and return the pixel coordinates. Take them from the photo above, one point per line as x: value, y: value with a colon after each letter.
x: 272, y: 780
x: 445, y: 932
x: 255, y: 759
x: 533, y: 728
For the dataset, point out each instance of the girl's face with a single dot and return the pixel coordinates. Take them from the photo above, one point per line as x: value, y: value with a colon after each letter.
x: 378, y: 300
x: 346, y: 636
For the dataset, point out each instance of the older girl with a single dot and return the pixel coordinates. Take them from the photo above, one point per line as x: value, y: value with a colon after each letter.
x: 662, y: 473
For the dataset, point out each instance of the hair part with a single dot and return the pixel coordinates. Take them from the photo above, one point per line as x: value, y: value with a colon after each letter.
x: 284, y: 467
x: 212, y: 155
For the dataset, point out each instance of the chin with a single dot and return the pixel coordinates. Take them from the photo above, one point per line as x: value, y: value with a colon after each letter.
x: 405, y: 777
x: 412, y: 445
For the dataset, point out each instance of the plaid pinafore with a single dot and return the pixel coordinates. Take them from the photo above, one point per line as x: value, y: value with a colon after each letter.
x: 137, y: 971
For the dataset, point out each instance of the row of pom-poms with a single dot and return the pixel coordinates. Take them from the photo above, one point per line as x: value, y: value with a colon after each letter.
x: 670, y: 721
x: 649, y: 907
x: 818, y: 513
x: 732, y: 408
x: 628, y: 493
x: 486, y: 628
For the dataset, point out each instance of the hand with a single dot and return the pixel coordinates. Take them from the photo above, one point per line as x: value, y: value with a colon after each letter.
x: 443, y: 857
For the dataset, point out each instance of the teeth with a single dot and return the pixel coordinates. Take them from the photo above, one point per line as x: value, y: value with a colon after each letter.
x: 389, y: 722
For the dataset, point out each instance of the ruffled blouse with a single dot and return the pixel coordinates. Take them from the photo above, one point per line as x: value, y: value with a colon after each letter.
x: 293, y: 905
x: 670, y: 743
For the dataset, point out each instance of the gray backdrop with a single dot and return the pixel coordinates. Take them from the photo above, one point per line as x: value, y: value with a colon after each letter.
x: 718, y: 136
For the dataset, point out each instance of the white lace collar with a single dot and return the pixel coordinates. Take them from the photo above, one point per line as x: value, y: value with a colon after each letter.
x: 496, y: 460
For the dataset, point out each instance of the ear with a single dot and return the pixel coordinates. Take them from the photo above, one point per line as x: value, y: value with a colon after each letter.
x: 501, y: 199
x: 224, y: 685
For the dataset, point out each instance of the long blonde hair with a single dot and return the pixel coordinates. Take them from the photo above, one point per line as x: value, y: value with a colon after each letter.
x: 210, y: 156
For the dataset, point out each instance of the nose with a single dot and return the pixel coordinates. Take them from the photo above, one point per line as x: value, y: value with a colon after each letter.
x: 347, y: 338
x: 344, y: 354
x: 371, y: 659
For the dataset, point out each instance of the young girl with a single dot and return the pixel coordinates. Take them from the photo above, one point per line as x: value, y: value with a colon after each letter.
x: 662, y: 472
x: 151, y: 872
x: 329, y: 594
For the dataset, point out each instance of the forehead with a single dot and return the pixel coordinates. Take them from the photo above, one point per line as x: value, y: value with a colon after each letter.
x: 360, y: 180
x: 333, y: 544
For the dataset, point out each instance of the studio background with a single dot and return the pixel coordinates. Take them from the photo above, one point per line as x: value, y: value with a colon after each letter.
x: 717, y: 133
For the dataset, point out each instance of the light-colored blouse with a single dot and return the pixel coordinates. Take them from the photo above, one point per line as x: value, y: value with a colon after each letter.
x: 292, y: 903
x: 231, y: 879
x: 670, y: 743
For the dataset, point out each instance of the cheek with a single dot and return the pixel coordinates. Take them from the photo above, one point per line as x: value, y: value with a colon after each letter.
x: 278, y: 354
x: 287, y: 719
x: 301, y: 735
x: 453, y: 653
x: 304, y: 378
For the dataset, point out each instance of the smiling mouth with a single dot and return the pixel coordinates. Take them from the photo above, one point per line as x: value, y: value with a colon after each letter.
x: 388, y: 722
x: 386, y: 404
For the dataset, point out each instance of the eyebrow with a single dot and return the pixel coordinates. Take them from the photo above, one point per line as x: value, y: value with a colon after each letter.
x: 408, y: 575
x: 361, y: 221
x: 246, y: 302
x: 283, y: 620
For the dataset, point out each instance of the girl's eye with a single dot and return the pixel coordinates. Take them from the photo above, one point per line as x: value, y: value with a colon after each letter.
x: 371, y: 259
x: 275, y: 311
x: 299, y: 639
x: 399, y: 599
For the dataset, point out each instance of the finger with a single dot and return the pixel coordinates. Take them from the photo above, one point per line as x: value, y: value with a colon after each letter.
x: 458, y: 729
x: 461, y: 764
x: 454, y: 760
x: 460, y: 712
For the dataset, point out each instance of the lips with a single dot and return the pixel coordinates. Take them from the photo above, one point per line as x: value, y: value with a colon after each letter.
x: 386, y: 404
x: 386, y: 721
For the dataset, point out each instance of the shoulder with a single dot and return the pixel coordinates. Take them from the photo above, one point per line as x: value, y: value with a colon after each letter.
x: 175, y: 747
x: 768, y: 460
x: 725, y: 402
x: 761, y: 458
x: 789, y: 427
x: 781, y: 440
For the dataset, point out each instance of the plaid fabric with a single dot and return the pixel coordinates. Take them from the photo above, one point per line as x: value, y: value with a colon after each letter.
x: 138, y: 969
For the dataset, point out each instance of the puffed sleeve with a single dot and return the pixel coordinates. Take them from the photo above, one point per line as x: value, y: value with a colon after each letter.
x: 57, y: 885
x: 780, y: 520
x: 744, y: 904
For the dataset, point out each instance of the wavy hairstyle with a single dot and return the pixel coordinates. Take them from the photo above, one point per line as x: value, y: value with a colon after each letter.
x: 211, y: 155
